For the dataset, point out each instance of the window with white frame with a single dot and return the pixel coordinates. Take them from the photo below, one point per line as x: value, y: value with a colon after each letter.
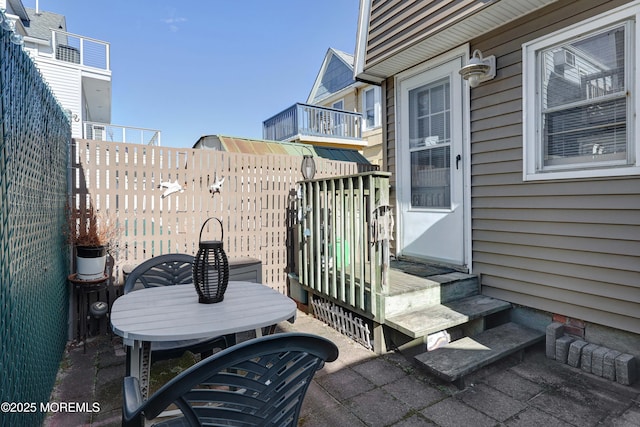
x: 371, y: 107
x: 579, y: 99
x: 338, y: 105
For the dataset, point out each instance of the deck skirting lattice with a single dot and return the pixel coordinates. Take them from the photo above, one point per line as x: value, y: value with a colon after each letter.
x: 342, y: 321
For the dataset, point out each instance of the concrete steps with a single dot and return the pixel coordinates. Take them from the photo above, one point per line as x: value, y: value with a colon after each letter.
x: 423, y: 321
x: 459, y: 358
x: 424, y: 300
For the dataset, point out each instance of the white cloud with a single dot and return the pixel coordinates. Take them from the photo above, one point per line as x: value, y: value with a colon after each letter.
x: 173, y: 23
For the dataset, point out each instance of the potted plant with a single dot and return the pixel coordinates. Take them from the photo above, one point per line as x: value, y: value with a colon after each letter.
x: 92, y: 235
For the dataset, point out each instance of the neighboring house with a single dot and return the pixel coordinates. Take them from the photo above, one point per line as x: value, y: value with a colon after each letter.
x: 78, y: 70
x: 336, y: 88
x: 339, y: 112
x: 530, y: 179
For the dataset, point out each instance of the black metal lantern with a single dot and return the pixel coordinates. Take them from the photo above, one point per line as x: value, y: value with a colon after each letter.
x: 211, y: 269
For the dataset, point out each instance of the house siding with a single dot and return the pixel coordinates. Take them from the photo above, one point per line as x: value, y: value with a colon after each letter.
x: 568, y: 247
x: 389, y: 143
x: 396, y: 24
x: 65, y: 83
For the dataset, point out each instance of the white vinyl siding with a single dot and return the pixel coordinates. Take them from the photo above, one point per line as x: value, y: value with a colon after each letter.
x: 67, y: 87
x: 579, y: 92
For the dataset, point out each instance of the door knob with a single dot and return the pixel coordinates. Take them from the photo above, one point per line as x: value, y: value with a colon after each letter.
x: 458, y: 158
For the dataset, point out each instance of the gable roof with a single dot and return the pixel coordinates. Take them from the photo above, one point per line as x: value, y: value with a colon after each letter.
x: 40, y: 24
x: 233, y: 144
x: 336, y: 73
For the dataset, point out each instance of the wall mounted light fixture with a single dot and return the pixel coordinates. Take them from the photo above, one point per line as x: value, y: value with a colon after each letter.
x: 479, y: 69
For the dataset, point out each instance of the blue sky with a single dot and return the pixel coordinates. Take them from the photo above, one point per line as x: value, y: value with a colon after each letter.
x: 198, y: 67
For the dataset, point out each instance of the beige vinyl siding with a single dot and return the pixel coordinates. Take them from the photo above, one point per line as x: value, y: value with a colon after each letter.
x: 389, y: 141
x: 569, y: 246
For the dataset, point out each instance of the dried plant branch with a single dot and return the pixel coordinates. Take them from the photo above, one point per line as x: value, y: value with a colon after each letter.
x: 86, y: 227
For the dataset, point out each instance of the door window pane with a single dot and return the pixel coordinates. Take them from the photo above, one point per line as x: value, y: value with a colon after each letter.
x: 429, y: 145
x: 431, y: 178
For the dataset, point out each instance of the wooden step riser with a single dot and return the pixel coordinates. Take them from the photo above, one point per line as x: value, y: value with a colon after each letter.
x: 432, y: 295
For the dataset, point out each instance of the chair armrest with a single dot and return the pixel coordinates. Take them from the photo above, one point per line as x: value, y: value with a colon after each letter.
x: 132, y: 401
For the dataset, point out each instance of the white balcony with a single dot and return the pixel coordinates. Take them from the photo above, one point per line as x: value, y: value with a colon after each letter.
x: 115, y: 133
x: 304, y: 120
x: 80, y: 50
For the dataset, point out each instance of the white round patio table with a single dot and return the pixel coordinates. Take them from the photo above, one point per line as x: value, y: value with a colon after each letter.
x: 173, y: 313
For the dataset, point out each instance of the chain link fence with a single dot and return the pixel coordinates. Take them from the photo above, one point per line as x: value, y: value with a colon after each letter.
x: 34, y: 138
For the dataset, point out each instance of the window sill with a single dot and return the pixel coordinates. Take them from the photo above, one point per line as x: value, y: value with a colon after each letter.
x: 582, y: 173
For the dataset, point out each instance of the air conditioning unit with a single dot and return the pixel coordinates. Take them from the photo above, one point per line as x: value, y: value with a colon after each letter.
x: 97, y: 133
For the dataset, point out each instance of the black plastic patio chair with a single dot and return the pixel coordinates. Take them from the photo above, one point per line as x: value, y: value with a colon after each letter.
x: 170, y: 270
x: 260, y: 382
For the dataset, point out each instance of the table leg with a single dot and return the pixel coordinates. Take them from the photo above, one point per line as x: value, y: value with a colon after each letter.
x: 145, y: 369
x: 139, y: 365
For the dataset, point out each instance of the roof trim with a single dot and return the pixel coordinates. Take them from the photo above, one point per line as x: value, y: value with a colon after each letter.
x: 361, y: 42
x: 19, y: 9
x: 440, y: 40
x: 331, y: 52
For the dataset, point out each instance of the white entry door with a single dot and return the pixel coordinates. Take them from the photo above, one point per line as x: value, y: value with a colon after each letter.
x: 430, y: 156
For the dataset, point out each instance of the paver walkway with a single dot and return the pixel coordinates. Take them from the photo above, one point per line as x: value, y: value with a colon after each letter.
x: 362, y: 389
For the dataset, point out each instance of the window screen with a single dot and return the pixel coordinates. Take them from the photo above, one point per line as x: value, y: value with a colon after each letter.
x: 584, y: 101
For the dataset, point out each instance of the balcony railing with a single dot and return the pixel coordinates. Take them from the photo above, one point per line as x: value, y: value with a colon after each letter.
x: 311, y: 120
x: 343, y: 240
x: 80, y: 50
x: 116, y: 133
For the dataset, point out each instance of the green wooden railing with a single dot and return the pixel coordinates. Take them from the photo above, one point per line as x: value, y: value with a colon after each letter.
x: 344, y: 228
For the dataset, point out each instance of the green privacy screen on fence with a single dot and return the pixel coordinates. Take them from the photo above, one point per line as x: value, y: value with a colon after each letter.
x: 34, y: 138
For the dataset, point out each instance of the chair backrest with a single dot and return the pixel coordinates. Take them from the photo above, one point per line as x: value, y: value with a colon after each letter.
x: 161, y: 270
x: 258, y: 382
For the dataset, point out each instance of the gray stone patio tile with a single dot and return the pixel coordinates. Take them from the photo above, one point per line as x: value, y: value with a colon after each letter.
x: 376, y: 408
x: 109, y: 393
x: 345, y: 384
x: 338, y: 416
x: 331, y: 367
x: 561, y: 404
x: 514, y: 385
x: 414, y: 421
x: 630, y: 418
x: 533, y: 417
x: 415, y: 393
x: 317, y: 399
x: 491, y: 402
x: 379, y: 371
x: 352, y: 353
x: 540, y: 370
x: 490, y: 370
x: 400, y: 360
x: 453, y: 413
